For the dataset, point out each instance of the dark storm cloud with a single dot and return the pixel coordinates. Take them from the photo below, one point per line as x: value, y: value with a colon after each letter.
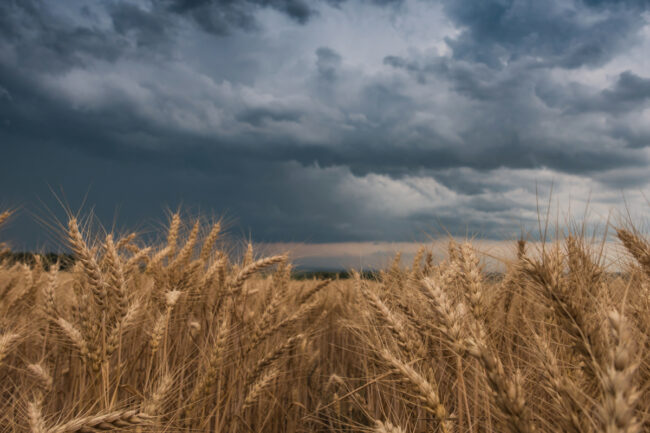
x: 220, y: 17
x: 629, y: 92
x: 328, y: 61
x: 150, y: 28
x: 501, y: 62
x: 258, y: 116
x: 565, y: 34
x: 148, y: 104
x: 44, y: 41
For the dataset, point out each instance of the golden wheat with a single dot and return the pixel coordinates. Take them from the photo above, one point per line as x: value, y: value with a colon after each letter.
x: 187, y: 337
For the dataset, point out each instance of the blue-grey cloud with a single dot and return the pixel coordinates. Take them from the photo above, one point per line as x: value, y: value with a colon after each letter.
x: 328, y: 61
x: 629, y: 92
x: 556, y: 33
x: 304, y: 121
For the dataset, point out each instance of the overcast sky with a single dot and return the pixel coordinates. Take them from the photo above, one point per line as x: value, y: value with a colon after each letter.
x: 325, y: 121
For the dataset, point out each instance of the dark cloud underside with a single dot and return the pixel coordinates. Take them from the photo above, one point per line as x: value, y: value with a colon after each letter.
x: 324, y: 120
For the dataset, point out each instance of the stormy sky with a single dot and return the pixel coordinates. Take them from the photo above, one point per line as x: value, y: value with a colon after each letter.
x: 326, y: 120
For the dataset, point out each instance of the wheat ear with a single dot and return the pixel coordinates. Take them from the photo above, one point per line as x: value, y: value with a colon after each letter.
x: 394, y: 324
x: 209, y: 241
x: 255, y: 389
x: 508, y: 393
x: 264, y: 363
x: 172, y: 235
x: 425, y: 391
x: 117, y: 420
x: 153, y: 405
x: 620, y: 393
x: 4, y: 216
x: 35, y: 415
x: 637, y: 247
x: 42, y: 376
x: 88, y: 262
x: 6, y: 341
x: 386, y: 427
x: 243, y: 275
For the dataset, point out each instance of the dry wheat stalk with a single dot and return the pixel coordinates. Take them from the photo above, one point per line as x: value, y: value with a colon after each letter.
x: 35, y: 416
x: 172, y: 235
x: 450, y: 318
x: 132, y: 264
x: 410, y: 346
x: 154, y: 264
x: 208, y: 243
x: 575, y: 417
x: 618, y: 382
x: 6, y: 341
x: 425, y: 391
x: 305, y: 297
x: 386, y: 427
x: 248, y: 271
x: 264, y: 363
x: 472, y: 280
x: 248, y: 257
x: 118, y: 330
x: 43, y: 378
x: 303, y: 311
x: 117, y: 420
x: 49, y: 302
x: 153, y: 405
x: 4, y: 216
x: 185, y: 254
x: 269, y: 315
x: 415, y: 273
x: 508, y: 393
x: 88, y: 262
x: 255, y: 389
x: 125, y: 241
x: 637, y: 247
x: 207, y: 379
x: 115, y: 282
x: 75, y: 336
x: 547, y: 276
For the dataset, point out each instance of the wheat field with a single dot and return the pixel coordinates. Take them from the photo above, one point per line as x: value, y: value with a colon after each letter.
x: 182, y: 337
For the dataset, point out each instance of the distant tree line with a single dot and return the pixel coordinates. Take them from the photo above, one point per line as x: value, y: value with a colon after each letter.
x: 66, y: 261
x: 330, y: 274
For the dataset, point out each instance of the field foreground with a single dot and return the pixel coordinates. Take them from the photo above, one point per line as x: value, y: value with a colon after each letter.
x: 181, y: 338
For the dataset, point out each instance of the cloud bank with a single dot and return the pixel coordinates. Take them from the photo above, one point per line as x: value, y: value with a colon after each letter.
x: 326, y: 121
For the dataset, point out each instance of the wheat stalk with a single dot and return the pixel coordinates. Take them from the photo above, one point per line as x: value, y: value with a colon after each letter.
x: 35, y: 416
x: 424, y: 390
x: 246, y: 272
x: 117, y: 420
x: 6, y: 341
x: 618, y: 378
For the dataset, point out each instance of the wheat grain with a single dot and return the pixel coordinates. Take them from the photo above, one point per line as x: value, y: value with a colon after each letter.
x: 117, y: 420
x: 6, y: 341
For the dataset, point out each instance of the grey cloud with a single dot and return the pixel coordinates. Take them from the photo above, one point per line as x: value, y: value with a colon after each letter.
x: 45, y: 41
x: 327, y: 62
x: 151, y: 28
x: 295, y: 142
x: 220, y: 17
x: 260, y: 115
x: 556, y: 32
x: 629, y: 88
x: 629, y: 92
x: 641, y: 4
x: 475, y: 81
x: 412, y: 67
x: 625, y: 179
x: 632, y: 135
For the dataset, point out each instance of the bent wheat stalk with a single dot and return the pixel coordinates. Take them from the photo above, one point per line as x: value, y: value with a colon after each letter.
x: 117, y: 420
